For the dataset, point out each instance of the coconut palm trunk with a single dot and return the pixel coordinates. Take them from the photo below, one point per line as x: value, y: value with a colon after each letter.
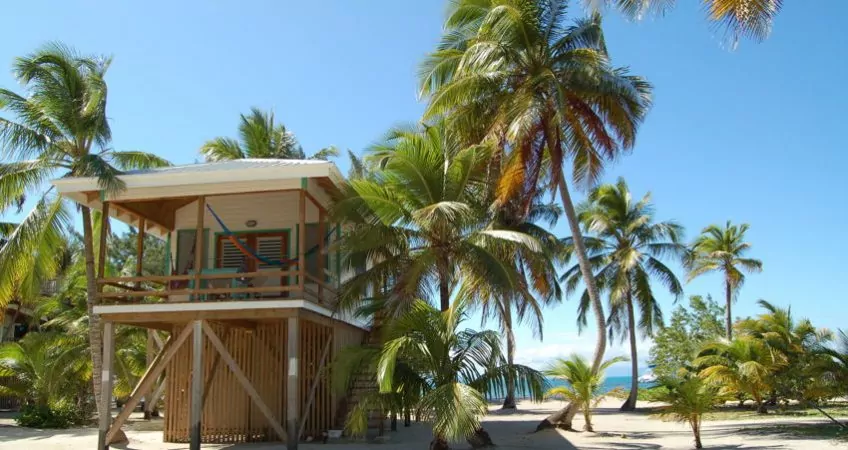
x: 728, y: 316
x: 586, y: 271
x: 630, y: 404
x: 509, y: 401
x: 444, y: 285
x: 10, y: 333
x: 94, y: 333
x: 696, y: 430
x: 564, y: 417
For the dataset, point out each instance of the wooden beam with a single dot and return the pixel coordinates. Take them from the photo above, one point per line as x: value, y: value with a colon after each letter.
x: 92, y: 196
x: 147, y: 380
x: 196, y: 412
x: 245, y: 383
x: 315, y: 201
x: 322, y: 257
x: 151, y: 222
x: 292, y: 397
x: 209, y: 379
x: 207, y: 276
x: 158, y: 340
x: 150, y: 358
x: 106, y: 385
x: 166, y: 293
x: 301, y: 256
x: 199, y: 251
x: 154, y: 398
x: 314, y: 388
x: 104, y: 235
x: 159, y: 320
x: 139, y: 247
x: 139, y: 253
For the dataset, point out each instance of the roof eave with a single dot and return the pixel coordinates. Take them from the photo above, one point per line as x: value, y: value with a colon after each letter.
x: 165, y: 179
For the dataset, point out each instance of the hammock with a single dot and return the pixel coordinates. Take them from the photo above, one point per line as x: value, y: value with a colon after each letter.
x: 251, y: 253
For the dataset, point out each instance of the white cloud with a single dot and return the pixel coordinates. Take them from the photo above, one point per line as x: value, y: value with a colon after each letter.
x: 562, y: 344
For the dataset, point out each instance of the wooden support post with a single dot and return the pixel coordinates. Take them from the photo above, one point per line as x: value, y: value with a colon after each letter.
x: 104, y: 234
x: 159, y: 342
x: 139, y: 248
x: 301, y: 256
x: 292, y: 383
x: 322, y: 257
x: 149, y: 360
x: 146, y: 382
x: 196, y: 385
x: 245, y: 383
x: 154, y: 398
x: 106, y: 385
x: 199, y: 251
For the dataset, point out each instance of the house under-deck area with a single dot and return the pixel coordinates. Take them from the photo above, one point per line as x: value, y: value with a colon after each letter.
x: 248, y: 297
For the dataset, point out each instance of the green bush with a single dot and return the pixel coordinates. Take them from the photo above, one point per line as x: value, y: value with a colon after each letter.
x: 60, y: 415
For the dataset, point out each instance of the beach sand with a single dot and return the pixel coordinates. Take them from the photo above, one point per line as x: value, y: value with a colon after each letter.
x: 509, y: 430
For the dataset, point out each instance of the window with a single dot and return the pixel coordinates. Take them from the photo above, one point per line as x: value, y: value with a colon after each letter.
x: 270, y: 246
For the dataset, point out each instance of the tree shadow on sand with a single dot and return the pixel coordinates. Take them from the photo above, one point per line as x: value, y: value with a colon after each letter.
x: 785, y: 430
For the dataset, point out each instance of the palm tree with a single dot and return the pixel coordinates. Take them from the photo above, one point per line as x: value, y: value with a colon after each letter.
x: 418, y: 222
x: 261, y: 137
x: 723, y: 250
x: 797, y: 343
x: 834, y: 368
x: 60, y: 128
x: 45, y: 369
x: 687, y: 400
x: 740, y: 18
x: 539, y: 276
x: 514, y: 74
x: 459, y: 366
x: 626, y: 251
x: 584, y: 388
x: 742, y: 366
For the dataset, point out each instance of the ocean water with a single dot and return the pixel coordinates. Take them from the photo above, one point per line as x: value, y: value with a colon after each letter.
x: 610, y: 383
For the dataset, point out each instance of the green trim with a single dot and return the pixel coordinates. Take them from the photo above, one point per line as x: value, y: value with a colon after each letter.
x: 102, y: 195
x: 168, y: 255
x: 304, y: 183
x: 297, y: 249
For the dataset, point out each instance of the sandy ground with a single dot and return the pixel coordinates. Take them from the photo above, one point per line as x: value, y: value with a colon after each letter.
x: 614, y: 430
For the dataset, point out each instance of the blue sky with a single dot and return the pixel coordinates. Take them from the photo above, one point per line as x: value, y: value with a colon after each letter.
x: 753, y: 135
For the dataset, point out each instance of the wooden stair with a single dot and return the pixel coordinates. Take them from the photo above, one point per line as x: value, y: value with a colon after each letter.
x: 362, y: 384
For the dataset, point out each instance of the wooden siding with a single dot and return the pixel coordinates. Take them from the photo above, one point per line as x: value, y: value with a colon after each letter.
x: 229, y: 416
x: 145, y: 193
x: 273, y: 211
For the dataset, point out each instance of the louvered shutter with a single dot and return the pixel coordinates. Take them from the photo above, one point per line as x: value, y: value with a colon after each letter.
x: 270, y: 248
x: 231, y: 256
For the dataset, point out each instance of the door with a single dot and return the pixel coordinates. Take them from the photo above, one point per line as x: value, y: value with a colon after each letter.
x: 272, y: 246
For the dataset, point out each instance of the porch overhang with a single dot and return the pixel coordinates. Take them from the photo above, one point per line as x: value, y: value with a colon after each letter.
x: 240, y: 313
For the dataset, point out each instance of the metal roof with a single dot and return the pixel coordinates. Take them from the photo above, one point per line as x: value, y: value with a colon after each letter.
x: 236, y: 164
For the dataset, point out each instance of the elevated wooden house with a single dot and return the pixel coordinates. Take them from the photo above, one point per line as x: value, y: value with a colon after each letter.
x: 248, y: 300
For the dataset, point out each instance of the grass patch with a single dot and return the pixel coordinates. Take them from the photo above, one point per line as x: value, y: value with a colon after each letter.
x: 836, y: 409
x: 827, y: 431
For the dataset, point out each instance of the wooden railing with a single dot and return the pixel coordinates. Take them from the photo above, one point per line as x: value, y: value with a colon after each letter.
x: 134, y: 289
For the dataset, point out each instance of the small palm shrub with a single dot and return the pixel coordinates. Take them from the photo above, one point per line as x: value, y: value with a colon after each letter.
x: 63, y: 414
x: 427, y: 363
x: 49, y: 373
x: 688, y: 399
x: 585, y: 387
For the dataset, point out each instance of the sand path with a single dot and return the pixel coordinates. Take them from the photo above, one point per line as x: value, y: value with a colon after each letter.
x: 512, y: 431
